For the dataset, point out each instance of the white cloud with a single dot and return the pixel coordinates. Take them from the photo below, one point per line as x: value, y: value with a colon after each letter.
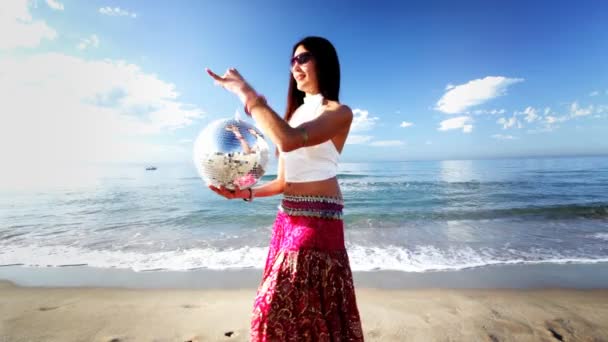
x: 491, y: 111
x: 449, y: 86
x: 362, y: 121
x: 531, y: 114
x: 54, y: 4
x: 460, y: 122
x: 553, y: 119
x: 84, y: 111
x: 92, y: 41
x: 509, y: 123
x: 461, y: 97
x: 354, y: 139
x: 594, y: 93
x: 575, y: 110
x: 503, y: 137
x: 405, y: 124
x: 549, y: 121
x: 117, y: 11
x: 383, y: 143
x: 19, y: 28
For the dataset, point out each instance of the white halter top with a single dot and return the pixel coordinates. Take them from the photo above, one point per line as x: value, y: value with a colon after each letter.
x: 312, y: 163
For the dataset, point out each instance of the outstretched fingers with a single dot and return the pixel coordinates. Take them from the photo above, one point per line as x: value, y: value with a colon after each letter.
x: 222, y: 191
x: 214, y: 189
x: 236, y: 72
x: 229, y: 72
x: 214, y: 75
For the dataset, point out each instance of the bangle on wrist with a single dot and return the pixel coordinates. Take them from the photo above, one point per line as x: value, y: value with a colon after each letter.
x: 250, y: 198
x: 252, y: 102
x: 304, y: 136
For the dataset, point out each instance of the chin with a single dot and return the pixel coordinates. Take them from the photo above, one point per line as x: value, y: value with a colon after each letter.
x: 303, y: 87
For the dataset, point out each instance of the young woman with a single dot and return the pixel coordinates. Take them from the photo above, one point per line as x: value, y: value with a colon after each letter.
x: 307, y: 291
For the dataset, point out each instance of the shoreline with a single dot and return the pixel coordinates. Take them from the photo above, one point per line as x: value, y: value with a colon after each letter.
x: 507, y: 276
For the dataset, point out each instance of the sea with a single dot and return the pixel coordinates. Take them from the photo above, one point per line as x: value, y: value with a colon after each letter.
x: 410, y: 216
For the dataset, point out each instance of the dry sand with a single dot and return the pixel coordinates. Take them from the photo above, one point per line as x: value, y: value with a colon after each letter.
x: 114, y: 314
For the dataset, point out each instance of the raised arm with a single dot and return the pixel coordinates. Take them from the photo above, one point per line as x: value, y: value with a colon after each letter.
x: 332, y: 122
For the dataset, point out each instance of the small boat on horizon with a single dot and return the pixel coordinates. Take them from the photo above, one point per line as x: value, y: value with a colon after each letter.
x: 150, y: 168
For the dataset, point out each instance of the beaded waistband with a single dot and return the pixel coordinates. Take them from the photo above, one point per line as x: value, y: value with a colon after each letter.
x: 312, y: 206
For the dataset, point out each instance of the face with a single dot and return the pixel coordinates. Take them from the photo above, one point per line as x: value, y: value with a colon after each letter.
x: 305, y: 73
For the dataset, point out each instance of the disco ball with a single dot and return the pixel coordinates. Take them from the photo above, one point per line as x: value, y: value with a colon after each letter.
x: 231, y: 152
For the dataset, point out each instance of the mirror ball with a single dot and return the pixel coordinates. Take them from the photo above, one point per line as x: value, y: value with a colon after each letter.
x: 231, y: 152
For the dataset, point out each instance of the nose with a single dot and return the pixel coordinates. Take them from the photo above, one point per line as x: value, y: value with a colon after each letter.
x: 296, y: 67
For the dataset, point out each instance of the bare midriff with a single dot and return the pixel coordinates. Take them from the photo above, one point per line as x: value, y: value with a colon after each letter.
x: 327, y: 188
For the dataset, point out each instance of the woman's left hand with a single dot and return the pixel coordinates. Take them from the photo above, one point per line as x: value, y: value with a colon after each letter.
x: 229, y: 194
x: 234, y: 82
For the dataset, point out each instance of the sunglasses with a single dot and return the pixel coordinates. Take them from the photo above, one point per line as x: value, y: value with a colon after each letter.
x: 302, y: 58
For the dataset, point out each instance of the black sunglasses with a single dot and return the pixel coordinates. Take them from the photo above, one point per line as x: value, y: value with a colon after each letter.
x: 302, y: 58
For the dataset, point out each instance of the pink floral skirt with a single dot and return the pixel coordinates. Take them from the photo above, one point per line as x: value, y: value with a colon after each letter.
x: 307, y: 291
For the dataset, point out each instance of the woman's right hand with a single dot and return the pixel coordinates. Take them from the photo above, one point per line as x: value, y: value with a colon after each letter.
x: 230, y: 194
x: 234, y: 82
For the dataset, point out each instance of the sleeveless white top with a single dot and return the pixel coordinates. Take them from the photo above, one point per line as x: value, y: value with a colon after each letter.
x: 311, y: 163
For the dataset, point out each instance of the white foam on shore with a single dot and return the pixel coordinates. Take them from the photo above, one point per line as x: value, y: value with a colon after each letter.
x: 430, y: 258
x: 362, y: 258
x: 179, y: 260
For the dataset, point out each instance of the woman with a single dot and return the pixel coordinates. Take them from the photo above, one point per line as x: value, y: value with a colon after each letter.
x: 307, y: 291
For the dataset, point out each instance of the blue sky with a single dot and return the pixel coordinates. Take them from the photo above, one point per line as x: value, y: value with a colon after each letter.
x: 123, y: 81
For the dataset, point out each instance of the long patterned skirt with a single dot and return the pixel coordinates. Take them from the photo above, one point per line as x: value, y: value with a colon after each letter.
x: 307, y: 291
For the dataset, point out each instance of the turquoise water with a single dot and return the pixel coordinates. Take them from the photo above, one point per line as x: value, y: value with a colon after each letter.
x: 409, y: 216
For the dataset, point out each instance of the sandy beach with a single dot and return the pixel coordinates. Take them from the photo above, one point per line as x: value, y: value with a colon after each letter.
x: 122, y: 314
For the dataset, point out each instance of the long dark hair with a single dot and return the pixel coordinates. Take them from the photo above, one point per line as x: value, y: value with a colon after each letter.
x: 327, y: 70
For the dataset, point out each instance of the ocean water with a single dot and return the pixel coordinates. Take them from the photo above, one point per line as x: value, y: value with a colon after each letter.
x: 414, y: 216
